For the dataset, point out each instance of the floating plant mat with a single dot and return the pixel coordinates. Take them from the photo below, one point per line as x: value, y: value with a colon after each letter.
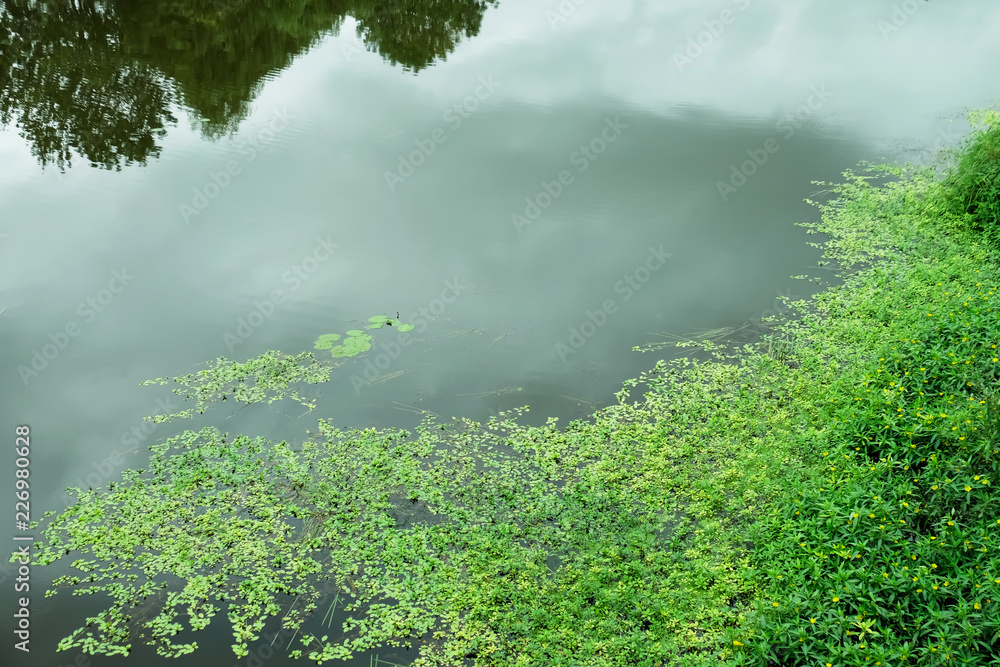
x: 458, y: 516
x: 271, y: 376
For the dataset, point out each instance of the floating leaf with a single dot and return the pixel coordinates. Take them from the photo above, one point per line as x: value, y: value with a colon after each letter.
x: 326, y: 341
x: 353, y: 345
x: 377, y: 325
x: 378, y: 319
x: 405, y: 327
x: 355, y: 332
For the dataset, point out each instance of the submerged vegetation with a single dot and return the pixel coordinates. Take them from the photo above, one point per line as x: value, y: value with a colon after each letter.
x: 823, y: 496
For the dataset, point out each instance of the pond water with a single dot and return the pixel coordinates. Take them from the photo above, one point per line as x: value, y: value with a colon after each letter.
x: 538, y: 187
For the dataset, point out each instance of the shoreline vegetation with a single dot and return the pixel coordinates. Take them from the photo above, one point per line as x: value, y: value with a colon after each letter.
x: 822, y: 496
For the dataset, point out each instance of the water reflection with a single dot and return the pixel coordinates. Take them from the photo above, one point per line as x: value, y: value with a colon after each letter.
x: 100, y: 79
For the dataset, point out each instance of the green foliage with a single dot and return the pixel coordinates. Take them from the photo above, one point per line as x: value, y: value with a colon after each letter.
x: 459, y: 518
x: 357, y: 340
x: 823, y: 496
x: 889, y: 553
x: 268, y: 376
x: 972, y: 187
x: 206, y: 514
x: 326, y: 341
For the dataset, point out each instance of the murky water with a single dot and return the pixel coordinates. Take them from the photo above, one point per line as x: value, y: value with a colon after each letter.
x: 538, y: 187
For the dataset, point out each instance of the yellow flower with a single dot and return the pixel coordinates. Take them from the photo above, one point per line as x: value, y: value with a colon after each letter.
x: 836, y: 599
x: 813, y: 620
x: 775, y: 604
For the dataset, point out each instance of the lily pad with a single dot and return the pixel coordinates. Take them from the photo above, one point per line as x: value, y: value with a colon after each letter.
x: 348, y: 351
x: 357, y: 341
x: 326, y: 341
x: 353, y: 345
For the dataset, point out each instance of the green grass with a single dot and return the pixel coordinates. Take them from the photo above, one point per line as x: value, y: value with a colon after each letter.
x: 972, y: 188
x: 822, y: 497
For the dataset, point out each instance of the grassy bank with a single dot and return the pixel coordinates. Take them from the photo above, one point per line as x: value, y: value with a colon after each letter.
x: 886, y: 551
x: 824, y: 497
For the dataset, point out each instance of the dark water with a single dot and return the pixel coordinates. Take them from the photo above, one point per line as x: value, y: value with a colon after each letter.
x: 538, y: 186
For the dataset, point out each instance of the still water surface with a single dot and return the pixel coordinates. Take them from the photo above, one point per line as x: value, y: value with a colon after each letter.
x: 539, y: 187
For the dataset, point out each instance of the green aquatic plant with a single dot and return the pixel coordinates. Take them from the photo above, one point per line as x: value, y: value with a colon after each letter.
x: 357, y: 340
x: 264, y: 378
x: 326, y: 341
x: 426, y: 521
